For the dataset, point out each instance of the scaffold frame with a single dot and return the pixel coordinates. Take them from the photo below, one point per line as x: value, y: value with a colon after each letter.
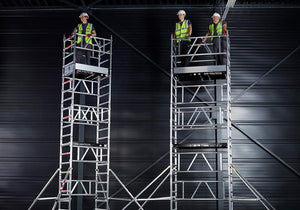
x: 93, y: 81
x: 197, y: 106
x: 200, y: 100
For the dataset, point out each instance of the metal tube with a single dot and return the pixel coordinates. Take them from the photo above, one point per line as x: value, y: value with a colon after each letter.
x: 121, y: 183
x: 192, y: 162
x: 44, y: 188
x: 267, y: 150
x: 193, y: 195
x: 252, y: 189
x: 169, y: 198
x: 171, y: 124
x: 142, y: 191
x: 265, y: 74
x: 109, y: 118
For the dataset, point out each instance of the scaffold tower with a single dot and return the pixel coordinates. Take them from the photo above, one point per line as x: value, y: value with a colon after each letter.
x: 84, y: 161
x: 201, y: 161
x: 200, y: 126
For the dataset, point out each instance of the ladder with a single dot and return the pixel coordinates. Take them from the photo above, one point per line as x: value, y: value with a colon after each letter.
x: 85, y: 103
x: 200, y: 129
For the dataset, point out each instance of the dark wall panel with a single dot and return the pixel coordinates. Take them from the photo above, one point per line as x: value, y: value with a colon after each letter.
x: 30, y: 70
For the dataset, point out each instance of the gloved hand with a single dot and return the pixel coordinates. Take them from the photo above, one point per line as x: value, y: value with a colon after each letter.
x: 70, y: 36
x: 202, y: 42
x: 89, y: 35
x: 224, y: 33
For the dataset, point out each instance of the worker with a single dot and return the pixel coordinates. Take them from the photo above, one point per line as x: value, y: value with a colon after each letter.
x: 183, y: 31
x: 84, y: 41
x: 218, y: 28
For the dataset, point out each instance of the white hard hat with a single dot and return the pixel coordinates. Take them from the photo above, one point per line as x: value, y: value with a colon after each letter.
x: 216, y: 15
x: 181, y: 12
x: 84, y: 14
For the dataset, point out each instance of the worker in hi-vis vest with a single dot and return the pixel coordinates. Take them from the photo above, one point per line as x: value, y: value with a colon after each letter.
x: 218, y: 28
x: 84, y: 41
x: 183, y: 31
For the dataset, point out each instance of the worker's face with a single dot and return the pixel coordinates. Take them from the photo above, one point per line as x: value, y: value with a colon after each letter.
x: 83, y: 19
x: 216, y: 19
x: 181, y: 17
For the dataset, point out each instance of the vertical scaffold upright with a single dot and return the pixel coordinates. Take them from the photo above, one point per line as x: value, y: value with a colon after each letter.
x: 200, y: 127
x: 84, y: 163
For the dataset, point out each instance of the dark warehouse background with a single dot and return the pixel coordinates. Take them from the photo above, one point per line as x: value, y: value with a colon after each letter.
x: 262, y: 34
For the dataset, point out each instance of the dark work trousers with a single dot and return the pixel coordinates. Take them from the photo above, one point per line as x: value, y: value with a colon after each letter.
x: 184, y: 48
x: 81, y: 52
x: 220, y: 59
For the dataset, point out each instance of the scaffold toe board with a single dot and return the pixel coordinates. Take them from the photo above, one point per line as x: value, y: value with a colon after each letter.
x: 89, y: 144
x: 199, y: 69
x: 68, y: 70
x: 200, y: 146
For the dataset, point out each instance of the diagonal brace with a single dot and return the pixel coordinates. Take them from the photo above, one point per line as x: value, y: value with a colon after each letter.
x: 264, y: 75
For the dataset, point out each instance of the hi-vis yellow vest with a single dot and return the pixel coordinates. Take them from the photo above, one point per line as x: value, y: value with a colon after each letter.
x: 218, y: 29
x: 182, y: 31
x: 88, y: 30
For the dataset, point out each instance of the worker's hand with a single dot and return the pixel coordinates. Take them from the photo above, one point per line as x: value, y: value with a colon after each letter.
x: 202, y: 42
x: 224, y: 33
x: 70, y: 36
x: 89, y: 35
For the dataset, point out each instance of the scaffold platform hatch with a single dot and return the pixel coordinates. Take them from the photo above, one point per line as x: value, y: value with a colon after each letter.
x: 84, y: 162
x: 201, y: 168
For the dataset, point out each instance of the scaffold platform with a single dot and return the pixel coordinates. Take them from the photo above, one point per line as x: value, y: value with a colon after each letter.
x: 84, y: 68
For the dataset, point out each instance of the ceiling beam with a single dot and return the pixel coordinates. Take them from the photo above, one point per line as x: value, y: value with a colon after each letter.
x: 69, y: 3
x: 94, y: 3
x: 230, y: 4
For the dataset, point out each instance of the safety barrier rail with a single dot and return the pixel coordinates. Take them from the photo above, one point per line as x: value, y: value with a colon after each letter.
x: 100, y: 50
x: 200, y: 52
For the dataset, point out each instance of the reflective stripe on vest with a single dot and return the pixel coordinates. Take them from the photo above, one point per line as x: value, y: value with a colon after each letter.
x: 218, y: 29
x: 182, y: 31
x: 88, y: 30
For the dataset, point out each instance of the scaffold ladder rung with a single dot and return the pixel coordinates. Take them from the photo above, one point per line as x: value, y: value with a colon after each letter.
x: 102, y: 182
x: 101, y: 191
x: 102, y: 173
x: 68, y: 90
x: 66, y: 135
x: 66, y: 126
x: 67, y: 99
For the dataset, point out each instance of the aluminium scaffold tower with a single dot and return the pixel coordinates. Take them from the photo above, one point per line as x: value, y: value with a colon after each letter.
x: 200, y: 131
x: 85, y: 101
x: 201, y: 168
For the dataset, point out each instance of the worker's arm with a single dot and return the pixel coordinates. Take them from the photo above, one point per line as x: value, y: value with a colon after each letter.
x: 224, y: 27
x: 205, y: 38
x: 190, y: 30
x: 174, y: 36
x: 74, y: 31
x: 94, y: 33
